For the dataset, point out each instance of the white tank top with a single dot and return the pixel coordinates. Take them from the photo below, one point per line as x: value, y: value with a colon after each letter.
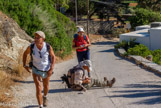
x: 41, y: 58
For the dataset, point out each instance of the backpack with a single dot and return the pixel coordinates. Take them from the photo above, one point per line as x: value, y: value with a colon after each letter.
x: 75, y: 77
x: 76, y: 35
x: 31, y: 52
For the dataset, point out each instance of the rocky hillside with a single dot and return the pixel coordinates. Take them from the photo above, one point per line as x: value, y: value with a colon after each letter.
x: 13, y: 41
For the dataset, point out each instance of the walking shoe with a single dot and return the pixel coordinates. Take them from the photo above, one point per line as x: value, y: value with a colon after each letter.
x: 40, y: 106
x: 112, y: 82
x: 45, y: 101
x: 108, y: 83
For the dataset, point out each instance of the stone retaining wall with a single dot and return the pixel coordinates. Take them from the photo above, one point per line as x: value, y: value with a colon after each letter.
x: 140, y: 61
x: 97, y: 27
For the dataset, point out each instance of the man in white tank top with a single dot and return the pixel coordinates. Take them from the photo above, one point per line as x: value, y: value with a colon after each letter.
x: 42, y: 67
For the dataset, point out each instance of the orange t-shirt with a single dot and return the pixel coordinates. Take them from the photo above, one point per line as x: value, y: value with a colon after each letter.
x: 81, y: 41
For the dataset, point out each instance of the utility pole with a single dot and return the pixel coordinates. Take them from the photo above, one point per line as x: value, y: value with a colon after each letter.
x: 76, y: 12
x: 88, y: 18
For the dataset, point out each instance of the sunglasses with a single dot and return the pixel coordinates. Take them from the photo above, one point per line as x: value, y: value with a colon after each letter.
x: 40, y: 54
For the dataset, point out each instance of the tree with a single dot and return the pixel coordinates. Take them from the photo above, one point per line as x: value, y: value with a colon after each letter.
x: 61, y: 3
x: 81, y: 7
x: 154, y: 5
x: 144, y: 16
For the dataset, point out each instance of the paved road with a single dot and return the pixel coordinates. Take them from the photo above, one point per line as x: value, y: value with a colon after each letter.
x: 134, y: 87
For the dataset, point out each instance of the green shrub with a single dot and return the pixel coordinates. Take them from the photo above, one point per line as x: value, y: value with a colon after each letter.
x: 157, y: 56
x: 126, y: 44
x: 141, y: 50
x: 33, y: 15
x: 144, y: 16
x: 134, y: 48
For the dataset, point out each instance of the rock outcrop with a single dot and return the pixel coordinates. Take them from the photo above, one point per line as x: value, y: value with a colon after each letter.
x: 13, y: 41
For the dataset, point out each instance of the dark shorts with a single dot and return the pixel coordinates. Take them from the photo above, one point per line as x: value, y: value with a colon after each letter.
x: 84, y: 55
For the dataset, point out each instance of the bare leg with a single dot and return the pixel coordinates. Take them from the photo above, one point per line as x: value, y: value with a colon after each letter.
x: 37, y: 80
x: 46, y: 85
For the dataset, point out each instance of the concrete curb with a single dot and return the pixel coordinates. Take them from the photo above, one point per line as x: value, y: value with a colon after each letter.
x: 140, y: 61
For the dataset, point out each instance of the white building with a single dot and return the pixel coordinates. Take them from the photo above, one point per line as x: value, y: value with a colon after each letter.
x: 150, y: 37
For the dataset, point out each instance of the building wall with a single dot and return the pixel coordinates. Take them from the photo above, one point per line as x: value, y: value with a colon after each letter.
x: 148, y: 37
x: 155, y: 38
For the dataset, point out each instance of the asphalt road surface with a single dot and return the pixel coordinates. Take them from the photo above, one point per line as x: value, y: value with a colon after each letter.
x: 134, y: 87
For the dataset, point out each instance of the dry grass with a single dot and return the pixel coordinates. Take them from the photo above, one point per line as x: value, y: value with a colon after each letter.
x: 18, y: 68
x: 5, y: 93
x: 7, y: 79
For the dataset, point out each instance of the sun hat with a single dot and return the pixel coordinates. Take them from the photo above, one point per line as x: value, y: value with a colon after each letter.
x: 40, y: 33
x: 86, y: 63
x: 80, y: 29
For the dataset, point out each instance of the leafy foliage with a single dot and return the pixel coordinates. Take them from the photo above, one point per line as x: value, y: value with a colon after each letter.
x: 155, y: 5
x: 126, y: 44
x: 139, y: 50
x: 61, y: 3
x: 34, y: 15
x: 144, y: 16
x: 96, y: 7
x: 134, y: 48
x: 117, y: 31
x: 157, y: 56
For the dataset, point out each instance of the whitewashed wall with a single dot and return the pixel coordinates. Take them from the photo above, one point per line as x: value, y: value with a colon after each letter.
x: 142, y: 27
x: 155, y: 38
x: 141, y: 36
x: 148, y: 37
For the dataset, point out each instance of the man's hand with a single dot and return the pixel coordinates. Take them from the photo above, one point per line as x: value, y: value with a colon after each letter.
x: 86, y: 81
x: 50, y: 72
x: 27, y: 68
x: 82, y: 46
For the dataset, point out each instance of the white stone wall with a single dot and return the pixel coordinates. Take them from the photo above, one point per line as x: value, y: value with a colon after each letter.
x: 150, y: 37
x: 142, y: 27
x: 155, y: 38
x: 141, y: 36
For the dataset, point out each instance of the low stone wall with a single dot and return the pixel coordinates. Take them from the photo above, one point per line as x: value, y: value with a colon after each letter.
x: 97, y: 27
x: 142, y: 62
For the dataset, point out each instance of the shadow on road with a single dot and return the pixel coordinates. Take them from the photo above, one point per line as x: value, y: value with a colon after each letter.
x: 109, y: 50
x: 153, y: 95
x: 59, y: 90
x: 105, y: 43
x: 31, y: 106
x: 21, y: 81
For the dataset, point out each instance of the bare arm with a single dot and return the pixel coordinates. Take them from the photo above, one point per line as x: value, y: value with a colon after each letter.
x: 52, y: 55
x: 75, y: 47
x: 25, y: 54
x: 88, y: 43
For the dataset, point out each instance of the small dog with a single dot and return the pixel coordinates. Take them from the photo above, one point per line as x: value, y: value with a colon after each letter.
x: 65, y: 79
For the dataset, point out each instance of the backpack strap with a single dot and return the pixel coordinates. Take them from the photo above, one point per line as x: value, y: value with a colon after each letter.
x: 85, y: 38
x: 31, y: 50
x: 32, y: 47
x: 48, y: 49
